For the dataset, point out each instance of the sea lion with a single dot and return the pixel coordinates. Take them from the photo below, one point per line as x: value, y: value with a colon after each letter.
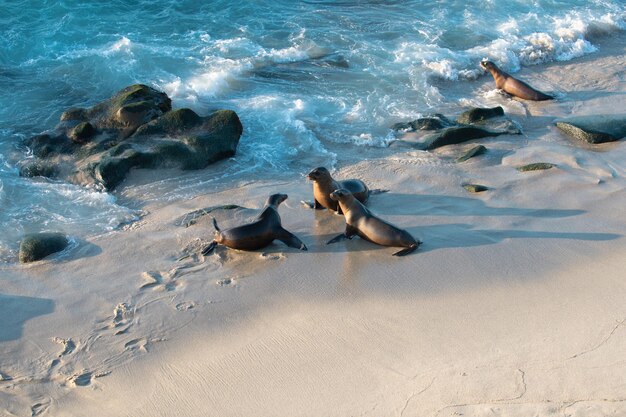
x: 360, y: 221
x: 513, y: 86
x: 258, y: 234
x: 324, y: 184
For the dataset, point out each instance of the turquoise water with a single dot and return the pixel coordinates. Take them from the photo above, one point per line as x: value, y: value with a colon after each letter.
x: 302, y: 75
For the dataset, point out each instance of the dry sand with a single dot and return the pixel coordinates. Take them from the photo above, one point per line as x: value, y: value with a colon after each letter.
x: 513, y: 306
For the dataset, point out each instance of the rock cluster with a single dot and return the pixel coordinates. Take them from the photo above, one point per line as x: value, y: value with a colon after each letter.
x: 136, y: 128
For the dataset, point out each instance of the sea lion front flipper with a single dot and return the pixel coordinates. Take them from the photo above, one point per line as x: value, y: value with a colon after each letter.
x: 348, y: 234
x: 291, y: 240
x: 209, y: 248
x: 314, y: 205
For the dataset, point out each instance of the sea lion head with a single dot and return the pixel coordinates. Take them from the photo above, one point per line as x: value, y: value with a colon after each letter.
x: 340, y: 195
x: 319, y: 173
x: 276, y: 199
x: 488, y: 65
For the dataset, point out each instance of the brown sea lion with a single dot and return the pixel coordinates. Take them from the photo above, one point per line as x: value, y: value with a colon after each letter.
x: 258, y: 234
x: 324, y: 184
x: 513, y: 86
x: 360, y: 221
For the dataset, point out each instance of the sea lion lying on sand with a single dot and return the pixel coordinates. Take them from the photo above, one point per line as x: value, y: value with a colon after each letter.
x: 360, y: 221
x: 512, y: 85
x: 258, y: 234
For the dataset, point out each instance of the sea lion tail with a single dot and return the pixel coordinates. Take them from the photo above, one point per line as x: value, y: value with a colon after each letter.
x: 217, y: 228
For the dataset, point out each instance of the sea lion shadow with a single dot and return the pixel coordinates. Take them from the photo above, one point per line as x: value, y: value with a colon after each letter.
x: 16, y: 310
x: 459, y: 235
x: 444, y: 205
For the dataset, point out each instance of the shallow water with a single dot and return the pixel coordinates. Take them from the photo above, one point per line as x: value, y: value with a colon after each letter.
x: 303, y: 76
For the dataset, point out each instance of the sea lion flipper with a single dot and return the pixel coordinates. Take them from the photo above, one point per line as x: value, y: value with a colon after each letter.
x: 217, y: 229
x: 314, y: 205
x: 406, y: 251
x: 348, y: 234
x: 291, y: 240
x: 209, y: 248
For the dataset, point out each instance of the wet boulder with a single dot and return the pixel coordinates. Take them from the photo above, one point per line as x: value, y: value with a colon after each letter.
x: 437, y: 130
x: 594, y: 129
x: 37, y: 246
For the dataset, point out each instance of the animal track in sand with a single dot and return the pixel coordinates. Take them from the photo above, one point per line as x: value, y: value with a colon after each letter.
x: 40, y: 408
x: 272, y: 256
x: 68, y: 345
x: 224, y: 282
x: 137, y: 344
x: 82, y: 379
x: 185, y: 305
x: 122, y: 315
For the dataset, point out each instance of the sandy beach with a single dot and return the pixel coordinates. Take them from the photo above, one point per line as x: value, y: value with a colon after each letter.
x: 513, y: 306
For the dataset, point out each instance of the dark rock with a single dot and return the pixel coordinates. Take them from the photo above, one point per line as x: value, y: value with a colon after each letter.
x: 171, y: 122
x: 454, y: 135
x: 595, y: 129
x: 39, y: 245
x: 479, y: 115
x: 133, y: 129
x: 433, y: 122
x: 537, y: 166
x: 39, y: 169
x: 475, y: 151
x: 74, y: 113
x: 82, y: 132
x: 475, y: 188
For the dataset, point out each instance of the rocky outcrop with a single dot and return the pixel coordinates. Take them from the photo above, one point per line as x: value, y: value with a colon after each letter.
x: 136, y: 128
x: 594, y: 129
x: 474, y: 123
x: 39, y: 245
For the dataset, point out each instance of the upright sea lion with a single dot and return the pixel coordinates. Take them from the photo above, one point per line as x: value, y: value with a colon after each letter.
x: 324, y: 184
x: 360, y: 221
x: 512, y: 85
x: 258, y: 234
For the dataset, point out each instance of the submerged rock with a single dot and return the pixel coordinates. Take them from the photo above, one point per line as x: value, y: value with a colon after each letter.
x: 433, y: 122
x: 594, y: 129
x: 537, y: 166
x: 475, y: 188
x: 39, y: 245
x: 475, y: 151
x: 136, y: 128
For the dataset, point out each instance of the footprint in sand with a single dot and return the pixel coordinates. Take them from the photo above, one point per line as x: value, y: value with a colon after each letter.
x: 82, y: 379
x: 272, y: 256
x: 123, y: 315
x: 40, y: 408
x: 163, y: 281
x: 227, y: 282
x: 68, y: 346
x: 185, y: 305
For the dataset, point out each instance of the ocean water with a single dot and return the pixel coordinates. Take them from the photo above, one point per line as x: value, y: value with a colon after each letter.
x: 304, y: 76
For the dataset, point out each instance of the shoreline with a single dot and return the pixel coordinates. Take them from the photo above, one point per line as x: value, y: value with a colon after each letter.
x: 514, y: 302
